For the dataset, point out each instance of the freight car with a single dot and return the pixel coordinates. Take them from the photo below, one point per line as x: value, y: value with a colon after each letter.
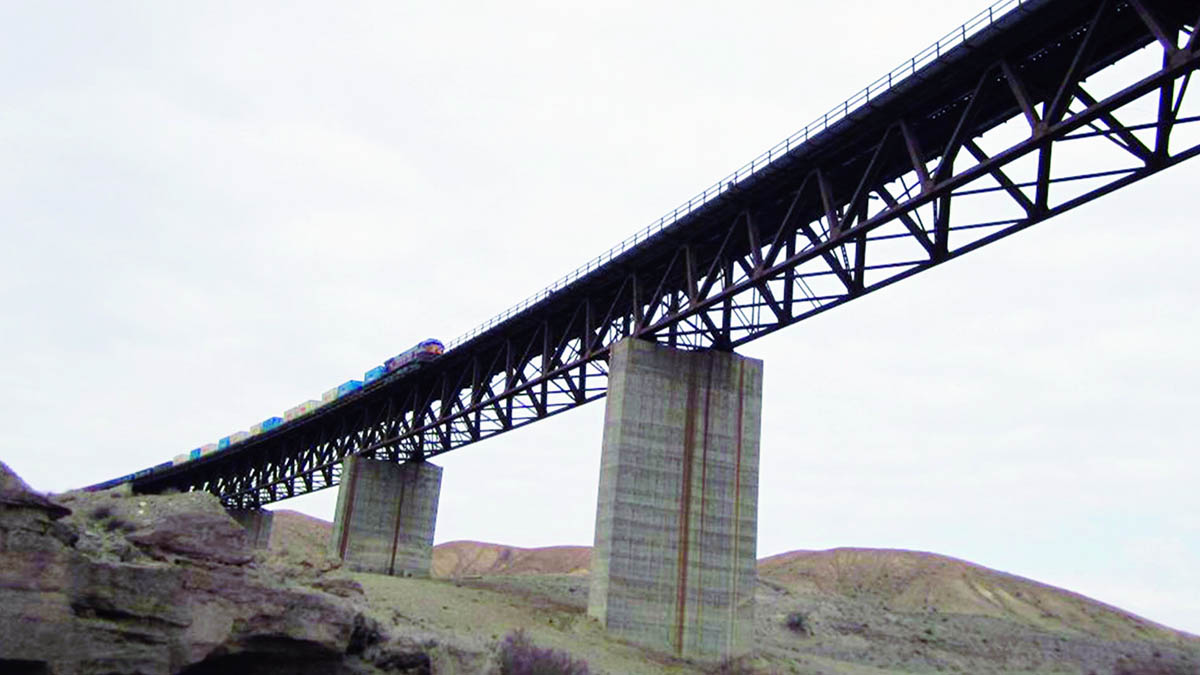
x: 405, y: 362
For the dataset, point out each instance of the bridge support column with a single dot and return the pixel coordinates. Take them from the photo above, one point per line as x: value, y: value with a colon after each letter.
x: 258, y: 524
x: 385, y: 516
x: 674, y: 561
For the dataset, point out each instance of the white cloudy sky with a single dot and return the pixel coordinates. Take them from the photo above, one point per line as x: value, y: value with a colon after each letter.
x: 213, y: 211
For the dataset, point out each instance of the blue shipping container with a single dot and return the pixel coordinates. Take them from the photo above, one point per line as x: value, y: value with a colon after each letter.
x: 194, y: 454
x: 348, y: 386
x: 223, y: 443
x: 374, y: 374
x: 271, y: 423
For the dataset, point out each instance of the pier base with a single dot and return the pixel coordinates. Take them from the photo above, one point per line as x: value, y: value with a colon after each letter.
x: 673, y: 566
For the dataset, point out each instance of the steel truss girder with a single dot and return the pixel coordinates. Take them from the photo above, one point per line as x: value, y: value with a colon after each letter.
x: 835, y: 230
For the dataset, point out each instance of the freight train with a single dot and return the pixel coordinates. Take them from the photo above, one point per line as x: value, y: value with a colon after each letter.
x: 404, y: 362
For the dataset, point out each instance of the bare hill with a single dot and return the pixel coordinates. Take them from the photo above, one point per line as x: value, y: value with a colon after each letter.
x: 471, y: 558
x: 898, y: 580
x: 913, y: 581
x: 852, y: 611
x: 300, y: 536
x: 297, y: 535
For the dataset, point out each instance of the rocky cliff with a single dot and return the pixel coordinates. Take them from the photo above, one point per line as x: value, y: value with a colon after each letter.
x: 116, y: 583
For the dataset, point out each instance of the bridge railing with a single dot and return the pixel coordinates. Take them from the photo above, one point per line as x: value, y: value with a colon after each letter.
x: 861, y: 98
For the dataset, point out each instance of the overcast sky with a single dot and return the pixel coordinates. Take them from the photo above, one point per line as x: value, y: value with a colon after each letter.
x: 213, y: 211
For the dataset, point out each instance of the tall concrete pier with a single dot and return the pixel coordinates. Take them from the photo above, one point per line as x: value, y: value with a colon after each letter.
x: 385, y: 516
x: 673, y: 565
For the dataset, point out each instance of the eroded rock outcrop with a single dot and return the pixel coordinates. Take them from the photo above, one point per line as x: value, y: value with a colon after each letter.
x: 113, y: 582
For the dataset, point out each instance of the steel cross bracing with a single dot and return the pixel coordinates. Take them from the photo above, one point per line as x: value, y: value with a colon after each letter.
x: 1023, y: 122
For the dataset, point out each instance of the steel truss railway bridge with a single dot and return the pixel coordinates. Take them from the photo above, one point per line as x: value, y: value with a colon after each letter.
x: 1019, y: 115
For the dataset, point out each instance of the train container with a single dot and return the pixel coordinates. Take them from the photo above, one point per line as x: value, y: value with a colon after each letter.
x: 348, y: 386
x: 308, y: 406
x: 301, y: 410
x: 398, y: 361
x: 101, y: 486
x: 424, y: 351
x: 109, y: 483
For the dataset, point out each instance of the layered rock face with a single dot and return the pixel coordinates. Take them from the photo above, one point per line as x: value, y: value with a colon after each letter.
x: 118, y: 583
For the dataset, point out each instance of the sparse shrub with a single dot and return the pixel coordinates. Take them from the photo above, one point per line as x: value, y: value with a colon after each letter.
x: 734, y: 666
x: 101, y: 512
x: 519, y: 656
x: 797, y: 622
x: 1142, y: 666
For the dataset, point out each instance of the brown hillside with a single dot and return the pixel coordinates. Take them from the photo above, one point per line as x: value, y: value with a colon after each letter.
x: 843, y: 611
x: 912, y: 581
x: 471, y: 558
x: 893, y: 580
x: 300, y: 536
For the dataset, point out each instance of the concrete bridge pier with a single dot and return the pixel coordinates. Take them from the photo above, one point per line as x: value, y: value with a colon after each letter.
x: 258, y: 524
x: 385, y: 516
x: 674, y: 561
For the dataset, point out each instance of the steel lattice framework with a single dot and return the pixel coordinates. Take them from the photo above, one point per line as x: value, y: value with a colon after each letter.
x: 1025, y: 120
